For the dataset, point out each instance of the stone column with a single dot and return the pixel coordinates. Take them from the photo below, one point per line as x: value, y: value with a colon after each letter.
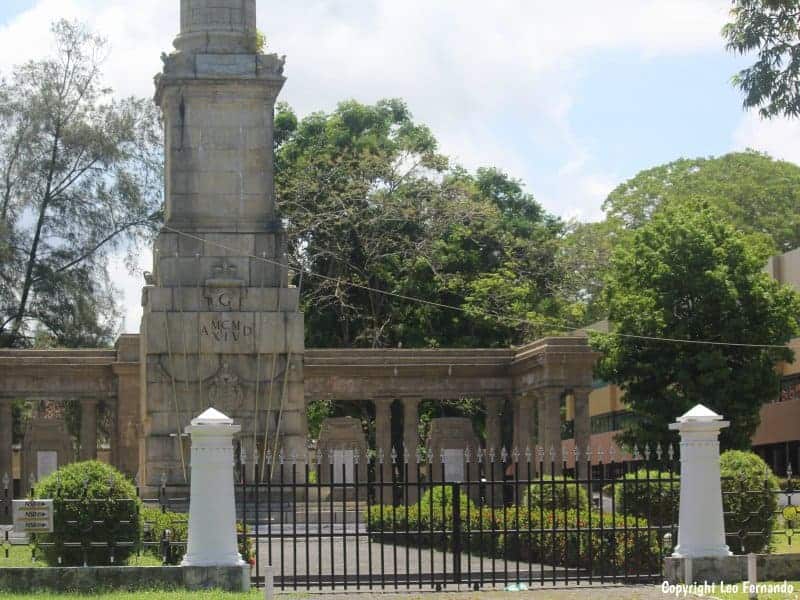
x: 410, y: 443
x: 6, y: 453
x: 383, y: 445
x: 493, y: 426
x: 583, y: 428
x: 701, y: 526
x: 88, y: 429
x: 212, y: 509
x: 550, y: 427
x: 523, y: 419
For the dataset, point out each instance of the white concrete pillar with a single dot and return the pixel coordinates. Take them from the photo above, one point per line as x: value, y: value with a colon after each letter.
x: 212, y: 507
x: 701, y: 526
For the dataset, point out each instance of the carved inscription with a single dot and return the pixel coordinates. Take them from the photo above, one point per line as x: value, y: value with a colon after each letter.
x: 226, y: 330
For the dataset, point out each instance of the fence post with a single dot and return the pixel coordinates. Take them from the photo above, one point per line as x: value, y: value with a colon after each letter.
x: 456, y: 533
x: 212, y: 508
x: 701, y: 526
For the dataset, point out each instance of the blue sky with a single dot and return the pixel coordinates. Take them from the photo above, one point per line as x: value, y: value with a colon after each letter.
x: 571, y: 102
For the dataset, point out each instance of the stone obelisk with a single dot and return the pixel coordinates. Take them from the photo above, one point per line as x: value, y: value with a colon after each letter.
x: 221, y: 325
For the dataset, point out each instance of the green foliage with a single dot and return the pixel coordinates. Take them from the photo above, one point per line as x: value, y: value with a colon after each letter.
x: 749, y: 501
x: 657, y: 500
x: 257, y: 42
x: 369, y: 199
x: 318, y: 411
x: 80, y: 177
x: 441, y: 496
x: 558, y: 493
x: 541, y: 538
x: 756, y: 193
x: 156, y: 523
x: 689, y: 275
x: 771, y: 28
x: 93, y: 503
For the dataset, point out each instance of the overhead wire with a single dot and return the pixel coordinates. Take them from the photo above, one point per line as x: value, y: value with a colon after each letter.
x: 548, y: 323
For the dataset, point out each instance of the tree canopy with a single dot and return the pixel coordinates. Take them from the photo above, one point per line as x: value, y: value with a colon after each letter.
x: 771, y: 28
x: 80, y: 175
x: 690, y: 275
x: 755, y: 192
x: 376, y: 214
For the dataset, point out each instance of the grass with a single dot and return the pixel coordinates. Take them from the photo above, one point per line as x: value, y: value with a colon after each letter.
x: 20, y: 556
x: 140, y: 596
x: 744, y: 595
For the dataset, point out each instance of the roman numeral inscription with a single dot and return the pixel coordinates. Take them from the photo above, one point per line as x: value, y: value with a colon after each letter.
x: 222, y: 330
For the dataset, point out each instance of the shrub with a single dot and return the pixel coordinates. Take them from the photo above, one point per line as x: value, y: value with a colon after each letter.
x: 94, y: 504
x: 156, y: 522
x: 558, y: 493
x: 749, y: 500
x: 442, y: 496
x: 608, y: 545
x: 646, y: 494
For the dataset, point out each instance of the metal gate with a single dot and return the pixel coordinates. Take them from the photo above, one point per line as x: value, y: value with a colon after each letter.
x: 475, y: 520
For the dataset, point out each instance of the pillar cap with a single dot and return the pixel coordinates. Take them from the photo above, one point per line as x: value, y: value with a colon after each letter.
x: 699, y: 414
x: 212, y: 417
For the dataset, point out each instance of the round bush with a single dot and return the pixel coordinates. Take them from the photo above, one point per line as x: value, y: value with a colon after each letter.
x: 97, y: 516
x: 442, y: 496
x: 156, y: 522
x: 649, y: 494
x: 556, y: 493
x: 749, y: 500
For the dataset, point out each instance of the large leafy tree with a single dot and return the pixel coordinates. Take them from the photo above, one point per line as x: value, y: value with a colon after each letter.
x: 689, y: 275
x: 755, y: 192
x: 80, y: 175
x: 375, y: 213
x: 771, y: 29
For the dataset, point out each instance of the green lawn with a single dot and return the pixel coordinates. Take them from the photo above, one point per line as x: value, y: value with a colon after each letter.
x: 744, y: 595
x: 20, y: 556
x: 140, y: 596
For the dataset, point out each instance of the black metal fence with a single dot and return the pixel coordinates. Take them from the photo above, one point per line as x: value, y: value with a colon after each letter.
x: 479, y: 521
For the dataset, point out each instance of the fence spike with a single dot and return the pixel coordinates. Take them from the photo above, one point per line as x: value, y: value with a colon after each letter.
x: 406, y: 456
x: 515, y: 455
x: 467, y: 455
x: 480, y: 455
x: 540, y: 453
x: 429, y: 454
x: 504, y: 455
x: 552, y: 453
x: 659, y: 452
x: 589, y: 453
x: 164, y: 479
x: 528, y: 454
x: 393, y: 455
x: 492, y: 455
x: 576, y: 453
x: 280, y: 456
x: 419, y: 455
x: 789, y: 471
x: 670, y: 452
x: 380, y: 456
x: 268, y: 455
x: 646, y: 452
x: 635, y: 453
x: 356, y: 456
x: 442, y: 456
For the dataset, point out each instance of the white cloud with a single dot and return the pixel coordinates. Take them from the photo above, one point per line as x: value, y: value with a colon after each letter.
x: 462, y: 65
x: 778, y: 137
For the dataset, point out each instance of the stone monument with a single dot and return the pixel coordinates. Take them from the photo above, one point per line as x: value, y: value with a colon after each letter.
x: 221, y: 325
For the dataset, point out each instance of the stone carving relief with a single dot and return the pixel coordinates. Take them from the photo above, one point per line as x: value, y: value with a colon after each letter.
x: 224, y: 291
x: 225, y: 390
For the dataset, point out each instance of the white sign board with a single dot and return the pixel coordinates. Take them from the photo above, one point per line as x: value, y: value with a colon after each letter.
x: 453, y: 465
x: 46, y: 463
x: 33, y: 516
x: 346, y: 458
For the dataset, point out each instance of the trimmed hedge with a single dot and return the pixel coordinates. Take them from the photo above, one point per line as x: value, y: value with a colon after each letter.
x: 94, y: 504
x: 655, y: 500
x: 555, y: 493
x: 750, y: 501
x: 620, y: 545
x: 442, y: 495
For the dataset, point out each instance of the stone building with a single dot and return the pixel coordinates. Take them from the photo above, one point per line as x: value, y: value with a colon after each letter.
x: 221, y: 325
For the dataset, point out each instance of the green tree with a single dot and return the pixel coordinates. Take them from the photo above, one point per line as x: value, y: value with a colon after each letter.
x: 689, y: 275
x: 80, y: 175
x: 771, y: 28
x: 370, y: 201
x: 755, y: 192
